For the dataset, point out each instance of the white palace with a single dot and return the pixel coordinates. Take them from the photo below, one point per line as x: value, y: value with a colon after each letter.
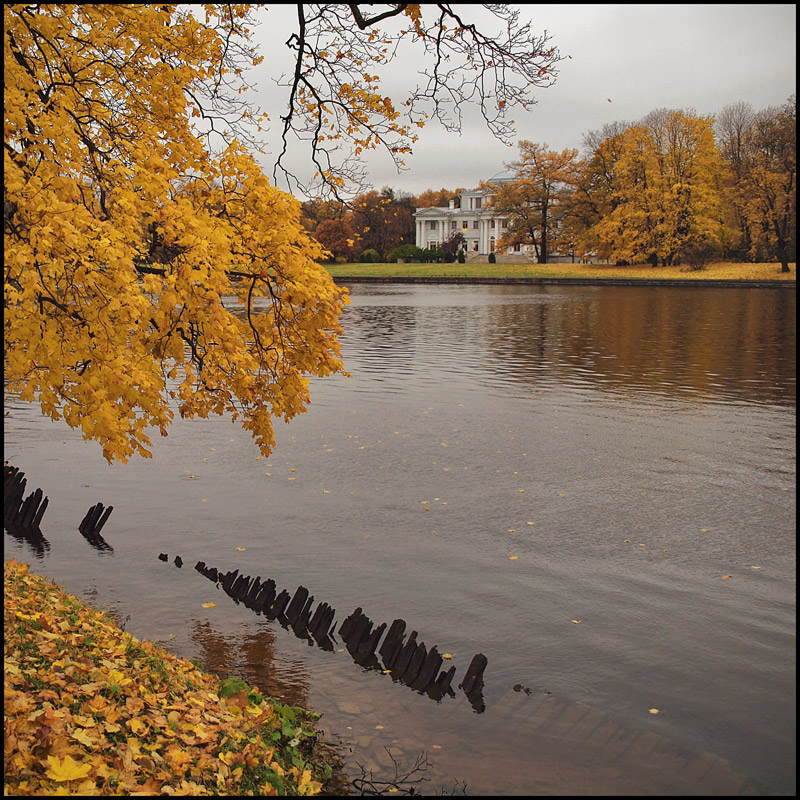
x: 476, y: 221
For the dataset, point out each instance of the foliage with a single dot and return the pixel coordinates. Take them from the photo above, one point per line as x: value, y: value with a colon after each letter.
x: 452, y: 245
x: 337, y: 237
x: 766, y: 191
x: 369, y: 256
x: 492, y: 258
x: 90, y: 710
x: 531, y: 200
x: 461, y: 258
x: 126, y: 225
x: 408, y: 252
x: 438, y: 198
x: 665, y: 192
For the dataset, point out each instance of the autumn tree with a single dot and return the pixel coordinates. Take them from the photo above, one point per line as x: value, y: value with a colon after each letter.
x: 134, y: 203
x: 539, y: 183
x: 123, y: 232
x: 382, y: 221
x: 452, y: 245
x: 770, y: 182
x: 437, y: 198
x: 338, y: 238
x: 732, y: 128
x: 667, y: 190
x: 595, y: 192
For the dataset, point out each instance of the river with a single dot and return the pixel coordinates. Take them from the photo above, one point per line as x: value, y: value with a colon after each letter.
x: 594, y: 487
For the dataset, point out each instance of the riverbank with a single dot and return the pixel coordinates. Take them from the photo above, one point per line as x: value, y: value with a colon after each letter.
x: 91, y: 710
x: 718, y: 274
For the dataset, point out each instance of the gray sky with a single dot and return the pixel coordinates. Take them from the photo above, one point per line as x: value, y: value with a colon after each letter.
x: 640, y: 57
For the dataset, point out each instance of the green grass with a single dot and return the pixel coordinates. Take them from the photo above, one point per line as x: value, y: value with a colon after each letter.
x: 716, y: 271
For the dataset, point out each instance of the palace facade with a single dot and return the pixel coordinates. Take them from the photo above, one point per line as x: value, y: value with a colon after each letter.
x: 479, y: 225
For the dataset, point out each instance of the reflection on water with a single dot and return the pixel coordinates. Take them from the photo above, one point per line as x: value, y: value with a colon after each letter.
x: 594, y: 487
x: 729, y: 344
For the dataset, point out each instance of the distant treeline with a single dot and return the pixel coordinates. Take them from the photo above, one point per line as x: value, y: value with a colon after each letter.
x: 672, y: 187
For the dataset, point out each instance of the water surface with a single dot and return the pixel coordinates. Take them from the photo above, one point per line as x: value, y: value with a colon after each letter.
x: 593, y: 486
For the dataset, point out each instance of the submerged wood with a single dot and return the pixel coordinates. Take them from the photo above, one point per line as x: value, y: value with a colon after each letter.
x: 408, y: 661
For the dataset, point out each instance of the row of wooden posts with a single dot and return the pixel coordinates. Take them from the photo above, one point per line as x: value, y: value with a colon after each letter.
x: 408, y: 661
x: 22, y: 518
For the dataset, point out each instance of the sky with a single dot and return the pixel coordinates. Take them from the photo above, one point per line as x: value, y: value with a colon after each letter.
x: 626, y: 60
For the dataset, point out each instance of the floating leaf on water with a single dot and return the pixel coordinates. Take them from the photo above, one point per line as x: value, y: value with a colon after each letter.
x: 576, y: 621
x: 654, y: 711
x: 208, y: 605
x: 513, y: 558
x: 240, y: 548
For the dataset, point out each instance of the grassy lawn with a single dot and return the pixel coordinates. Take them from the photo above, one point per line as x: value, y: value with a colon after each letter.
x: 721, y: 270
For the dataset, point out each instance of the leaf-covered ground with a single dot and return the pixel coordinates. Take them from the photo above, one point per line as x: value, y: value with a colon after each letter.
x: 89, y: 710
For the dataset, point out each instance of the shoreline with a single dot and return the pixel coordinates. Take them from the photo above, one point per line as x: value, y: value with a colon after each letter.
x: 532, y: 281
x: 95, y: 710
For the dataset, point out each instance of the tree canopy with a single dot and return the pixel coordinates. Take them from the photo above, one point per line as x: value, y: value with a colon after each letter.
x: 150, y: 266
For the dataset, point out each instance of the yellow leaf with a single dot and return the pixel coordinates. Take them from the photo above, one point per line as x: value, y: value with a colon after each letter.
x: 80, y: 736
x: 137, y: 726
x: 240, y: 548
x: 513, y: 558
x: 209, y: 605
x: 66, y: 769
x: 654, y: 711
x: 447, y: 656
x: 576, y: 621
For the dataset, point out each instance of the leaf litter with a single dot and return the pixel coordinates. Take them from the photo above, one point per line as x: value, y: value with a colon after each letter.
x: 91, y: 710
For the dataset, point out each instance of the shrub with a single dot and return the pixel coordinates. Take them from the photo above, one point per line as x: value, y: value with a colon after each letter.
x: 492, y: 258
x: 409, y: 252
x: 698, y: 253
x: 370, y: 256
x: 461, y: 257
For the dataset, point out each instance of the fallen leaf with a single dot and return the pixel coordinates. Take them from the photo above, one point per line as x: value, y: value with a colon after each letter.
x: 576, y: 621
x: 67, y: 769
x: 209, y: 605
x: 513, y: 558
x: 654, y: 711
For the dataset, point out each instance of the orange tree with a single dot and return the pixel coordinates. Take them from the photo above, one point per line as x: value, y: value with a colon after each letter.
x: 134, y: 204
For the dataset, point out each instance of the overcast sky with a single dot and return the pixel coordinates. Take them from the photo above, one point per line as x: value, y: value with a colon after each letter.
x: 638, y: 57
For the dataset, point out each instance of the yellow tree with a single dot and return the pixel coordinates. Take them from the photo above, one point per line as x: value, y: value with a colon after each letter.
x: 667, y: 195
x: 437, y: 198
x: 770, y: 182
x: 595, y: 193
x: 135, y: 209
x: 538, y: 185
x: 124, y: 233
